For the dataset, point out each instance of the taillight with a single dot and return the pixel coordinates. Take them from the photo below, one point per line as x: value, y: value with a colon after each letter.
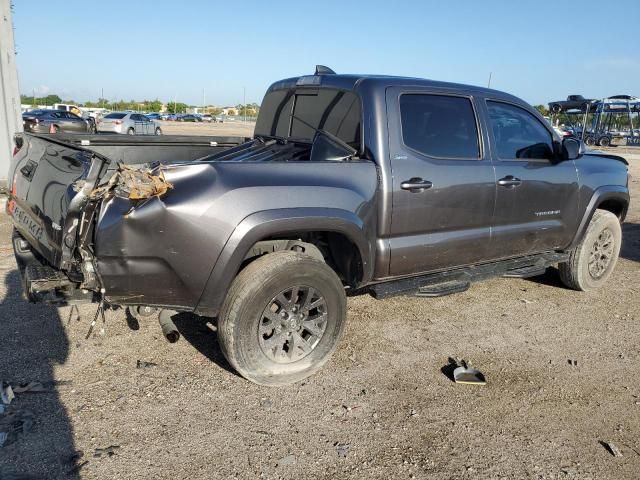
x: 118, y: 122
x: 18, y: 141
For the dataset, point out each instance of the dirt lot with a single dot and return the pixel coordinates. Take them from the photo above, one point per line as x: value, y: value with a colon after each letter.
x: 380, y: 409
x: 230, y: 128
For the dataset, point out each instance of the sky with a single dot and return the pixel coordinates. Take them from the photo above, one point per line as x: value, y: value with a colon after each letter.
x: 147, y: 49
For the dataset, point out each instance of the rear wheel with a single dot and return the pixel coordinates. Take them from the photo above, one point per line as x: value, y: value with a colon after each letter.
x: 604, y: 141
x: 55, y: 129
x: 590, y: 141
x: 158, y: 131
x: 282, y: 318
x: 131, y: 131
x: 591, y: 262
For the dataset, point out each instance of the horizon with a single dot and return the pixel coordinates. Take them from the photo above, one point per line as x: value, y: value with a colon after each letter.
x: 162, y: 52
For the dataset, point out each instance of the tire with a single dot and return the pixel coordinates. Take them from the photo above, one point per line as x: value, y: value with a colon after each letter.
x: 603, y: 238
x: 259, y: 347
x: 158, y: 131
x: 55, y: 129
x: 604, y: 141
x: 131, y: 131
x: 590, y: 141
x: 556, y: 108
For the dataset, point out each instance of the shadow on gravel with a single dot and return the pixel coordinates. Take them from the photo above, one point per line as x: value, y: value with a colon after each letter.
x: 197, y: 331
x: 631, y: 242
x: 550, y: 278
x: 32, y: 342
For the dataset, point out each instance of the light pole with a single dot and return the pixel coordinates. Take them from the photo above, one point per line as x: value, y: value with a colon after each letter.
x: 244, y: 102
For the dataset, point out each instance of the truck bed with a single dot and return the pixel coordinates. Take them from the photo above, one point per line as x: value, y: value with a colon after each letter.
x: 50, y: 171
x: 141, y: 149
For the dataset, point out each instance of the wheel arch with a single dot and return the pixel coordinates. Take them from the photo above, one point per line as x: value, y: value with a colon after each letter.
x: 345, y: 228
x: 612, y: 198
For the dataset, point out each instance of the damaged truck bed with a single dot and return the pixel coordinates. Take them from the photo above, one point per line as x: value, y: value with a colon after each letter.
x: 57, y: 194
x: 351, y: 184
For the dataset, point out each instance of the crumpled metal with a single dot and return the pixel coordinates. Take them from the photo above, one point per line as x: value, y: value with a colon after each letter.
x: 134, y: 183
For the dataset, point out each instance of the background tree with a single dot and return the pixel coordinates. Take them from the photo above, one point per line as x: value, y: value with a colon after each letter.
x: 544, y: 111
x: 48, y: 100
x: 248, y: 110
x: 178, y: 108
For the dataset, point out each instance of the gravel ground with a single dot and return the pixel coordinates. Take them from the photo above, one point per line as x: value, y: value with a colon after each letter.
x: 561, y: 369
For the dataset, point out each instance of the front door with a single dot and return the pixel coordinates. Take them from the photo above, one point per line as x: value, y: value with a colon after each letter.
x: 537, y: 195
x: 443, y: 182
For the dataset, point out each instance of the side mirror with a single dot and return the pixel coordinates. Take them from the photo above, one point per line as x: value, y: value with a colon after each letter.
x: 572, y: 148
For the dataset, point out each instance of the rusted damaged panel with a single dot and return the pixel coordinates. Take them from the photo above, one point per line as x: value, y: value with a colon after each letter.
x: 134, y: 184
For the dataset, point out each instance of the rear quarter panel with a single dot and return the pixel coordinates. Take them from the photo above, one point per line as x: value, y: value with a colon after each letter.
x: 162, y: 251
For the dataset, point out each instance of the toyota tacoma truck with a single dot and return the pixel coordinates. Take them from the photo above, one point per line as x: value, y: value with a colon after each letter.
x: 351, y: 184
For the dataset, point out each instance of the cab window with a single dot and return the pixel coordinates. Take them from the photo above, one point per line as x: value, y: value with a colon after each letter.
x: 439, y: 126
x: 518, y: 134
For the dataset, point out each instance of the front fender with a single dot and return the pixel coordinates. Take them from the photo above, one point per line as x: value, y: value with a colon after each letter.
x: 268, y: 223
x: 608, y: 192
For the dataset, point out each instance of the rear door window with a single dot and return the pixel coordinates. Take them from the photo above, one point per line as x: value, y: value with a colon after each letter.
x: 439, y: 126
x: 116, y: 116
x: 518, y: 134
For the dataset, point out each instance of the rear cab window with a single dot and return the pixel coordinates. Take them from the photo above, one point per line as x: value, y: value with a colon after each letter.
x: 517, y: 134
x: 440, y: 126
x: 338, y: 112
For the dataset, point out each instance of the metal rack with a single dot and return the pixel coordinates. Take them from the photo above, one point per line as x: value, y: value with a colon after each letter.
x: 606, y: 115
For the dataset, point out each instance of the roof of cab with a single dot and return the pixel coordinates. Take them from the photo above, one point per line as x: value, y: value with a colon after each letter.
x: 354, y: 81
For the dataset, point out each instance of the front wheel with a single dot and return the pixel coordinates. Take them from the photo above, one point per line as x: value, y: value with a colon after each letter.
x: 158, y: 131
x: 282, y: 318
x: 592, y: 261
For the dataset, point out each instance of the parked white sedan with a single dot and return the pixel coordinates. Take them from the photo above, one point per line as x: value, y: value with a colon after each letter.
x: 128, y: 123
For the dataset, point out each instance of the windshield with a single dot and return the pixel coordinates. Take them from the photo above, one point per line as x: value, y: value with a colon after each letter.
x: 335, y: 111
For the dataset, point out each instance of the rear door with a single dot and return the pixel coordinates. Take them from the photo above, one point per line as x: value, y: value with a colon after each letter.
x: 148, y: 125
x: 139, y: 124
x: 537, y: 196
x: 443, y: 181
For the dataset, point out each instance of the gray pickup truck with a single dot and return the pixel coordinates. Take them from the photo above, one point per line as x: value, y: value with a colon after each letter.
x: 351, y: 184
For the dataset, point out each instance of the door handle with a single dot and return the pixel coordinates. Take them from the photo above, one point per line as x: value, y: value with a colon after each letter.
x: 416, y: 185
x: 509, y: 181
